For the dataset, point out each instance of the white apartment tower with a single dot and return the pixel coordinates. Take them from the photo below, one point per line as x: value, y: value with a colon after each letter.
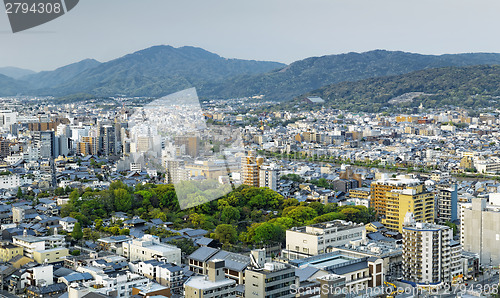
x: 427, y: 253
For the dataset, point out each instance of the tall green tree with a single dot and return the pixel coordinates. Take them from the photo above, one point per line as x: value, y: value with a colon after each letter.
x: 123, y: 200
x: 226, y: 234
x: 77, y: 232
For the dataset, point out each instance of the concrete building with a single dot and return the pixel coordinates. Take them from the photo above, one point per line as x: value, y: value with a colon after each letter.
x: 380, y: 187
x: 19, y: 213
x: 392, y: 198
x: 7, y: 118
x: 273, y: 280
x: 175, y: 171
x: 360, y: 273
x: 487, y: 166
x: 427, y: 253
x: 190, y: 143
x: 114, y: 244
x: 116, y: 285
x: 88, y: 145
x: 51, y: 255
x: 8, y: 251
x: 480, y: 230
x: 108, y: 139
x: 150, y: 247
x: 45, y: 142
x: 164, y: 273
x: 345, y: 184
x: 303, y: 242
x: 40, y: 275
x: 331, y: 286
x: 250, y: 166
x: 447, y: 204
x: 234, y: 264
x: 30, y: 244
x: 360, y: 193
x: 9, y: 180
x: 213, y: 285
x: 67, y: 223
x: 415, y: 200
x: 268, y: 177
x: 151, y: 290
x: 390, y: 253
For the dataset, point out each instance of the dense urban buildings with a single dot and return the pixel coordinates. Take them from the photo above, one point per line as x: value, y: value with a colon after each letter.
x: 282, y: 204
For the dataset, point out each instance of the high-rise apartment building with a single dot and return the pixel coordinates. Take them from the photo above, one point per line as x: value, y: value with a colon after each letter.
x: 268, y: 177
x: 88, y: 146
x: 250, y: 166
x: 108, y: 139
x: 447, y: 204
x: 427, y: 252
x: 191, y: 144
x: 392, y: 198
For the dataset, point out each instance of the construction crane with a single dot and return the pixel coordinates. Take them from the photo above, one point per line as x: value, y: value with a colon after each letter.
x: 394, y: 291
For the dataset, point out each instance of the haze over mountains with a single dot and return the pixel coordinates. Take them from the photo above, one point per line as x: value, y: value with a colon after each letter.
x: 162, y: 70
x: 15, y: 72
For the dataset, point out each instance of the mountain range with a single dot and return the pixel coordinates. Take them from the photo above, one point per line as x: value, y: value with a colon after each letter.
x: 161, y: 70
x: 15, y: 72
x: 471, y: 86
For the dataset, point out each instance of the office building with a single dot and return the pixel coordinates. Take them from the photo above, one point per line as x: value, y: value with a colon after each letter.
x: 45, y: 143
x: 7, y: 118
x: 273, y: 280
x: 480, y: 230
x: 190, y: 143
x: 108, y: 139
x: 306, y: 241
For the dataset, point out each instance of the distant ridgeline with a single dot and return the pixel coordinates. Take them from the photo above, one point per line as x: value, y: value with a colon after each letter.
x: 472, y: 86
x: 368, y: 81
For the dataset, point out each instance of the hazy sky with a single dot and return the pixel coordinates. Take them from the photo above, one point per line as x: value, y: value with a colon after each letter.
x: 278, y: 30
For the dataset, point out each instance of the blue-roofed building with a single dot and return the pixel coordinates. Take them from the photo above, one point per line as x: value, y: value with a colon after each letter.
x: 360, y: 272
x: 75, y: 277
